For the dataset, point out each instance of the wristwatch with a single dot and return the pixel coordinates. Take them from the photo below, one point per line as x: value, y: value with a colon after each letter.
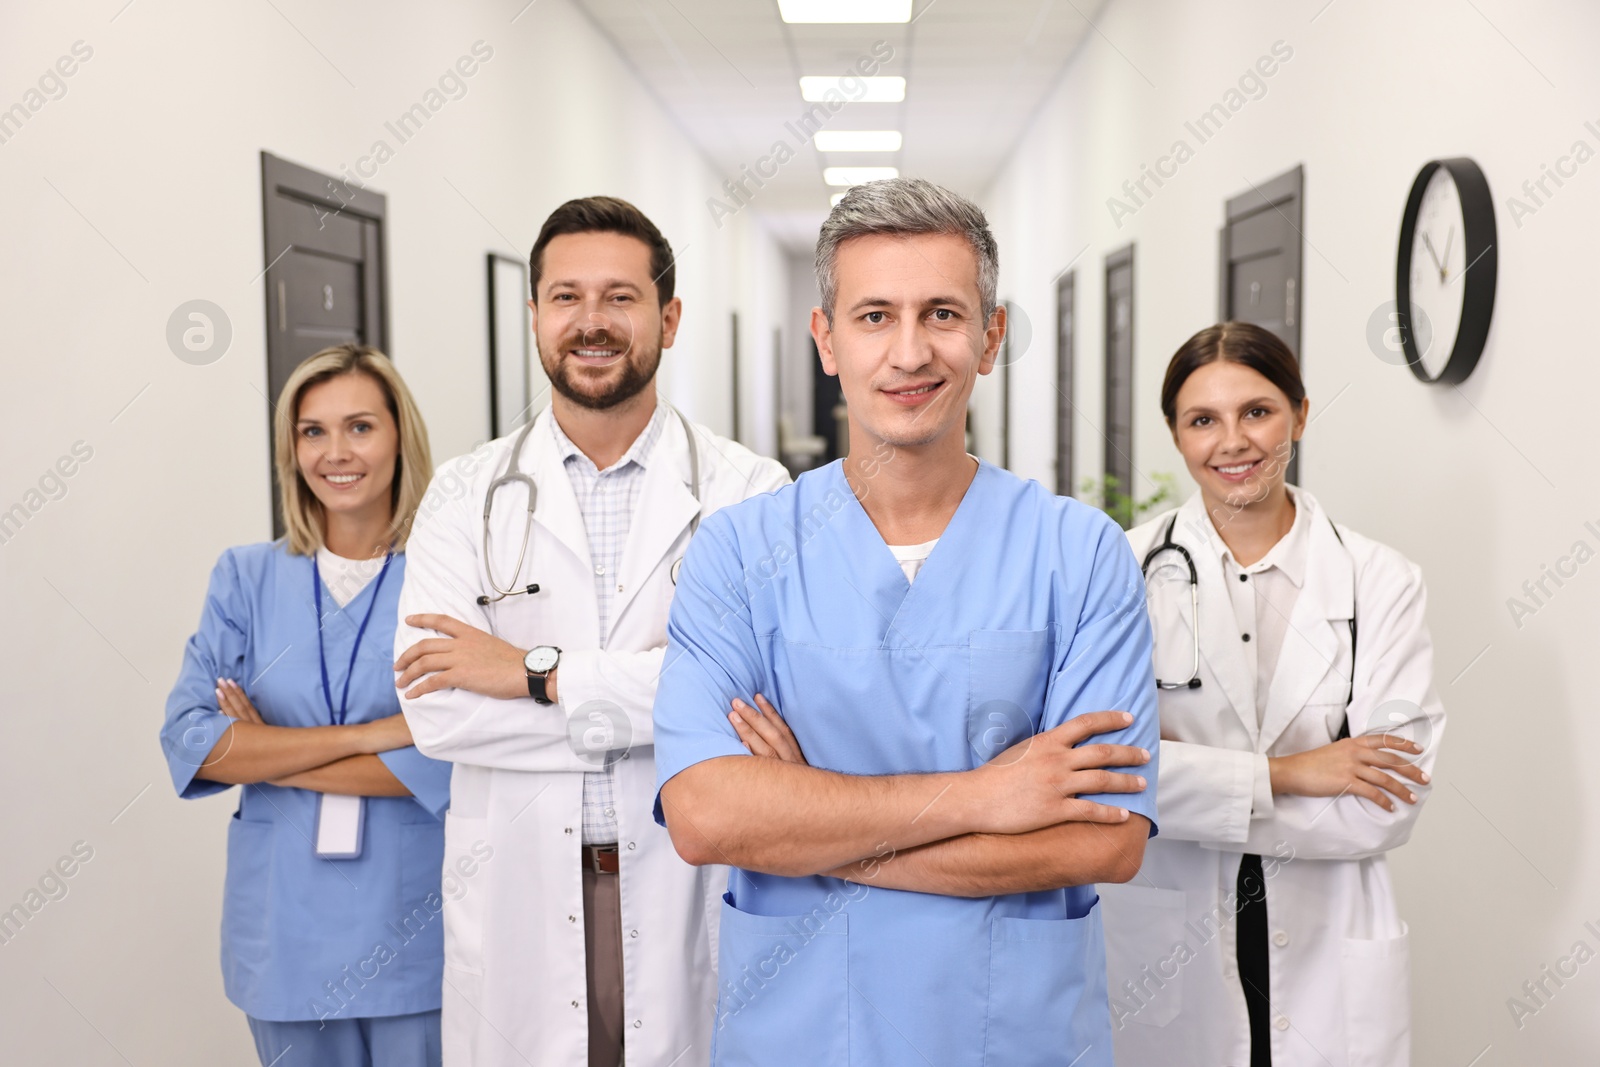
x: 540, y: 661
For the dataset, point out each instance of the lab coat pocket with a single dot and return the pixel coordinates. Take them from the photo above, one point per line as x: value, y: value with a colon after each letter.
x: 1007, y: 672
x: 785, y: 986
x: 1047, y: 992
x: 247, y: 893
x: 465, y: 913
x: 1377, y: 1001
x: 1145, y: 944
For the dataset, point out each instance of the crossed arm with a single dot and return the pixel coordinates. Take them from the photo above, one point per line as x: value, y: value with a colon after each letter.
x: 324, y: 759
x: 1015, y: 824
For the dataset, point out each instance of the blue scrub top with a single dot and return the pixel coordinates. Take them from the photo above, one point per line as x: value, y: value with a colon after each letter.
x: 302, y: 937
x: 1029, y: 611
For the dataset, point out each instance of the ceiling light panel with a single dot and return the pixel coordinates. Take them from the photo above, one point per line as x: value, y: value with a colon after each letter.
x: 879, y: 90
x: 858, y: 141
x: 857, y: 175
x: 845, y: 10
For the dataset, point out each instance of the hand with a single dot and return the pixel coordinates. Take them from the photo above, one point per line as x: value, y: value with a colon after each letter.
x: 466, y: 658
x: 1350, y: 765
x: 385, y: 734
x: 232, y: 702
x: 764, y: 732
x: 1037, y: 782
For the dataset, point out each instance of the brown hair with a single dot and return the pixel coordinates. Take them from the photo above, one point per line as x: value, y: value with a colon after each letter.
x: 1243, y: 343
x: 303, y: 519
x: 605, y: 214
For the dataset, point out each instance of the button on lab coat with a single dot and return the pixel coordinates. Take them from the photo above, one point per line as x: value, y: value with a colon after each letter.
x: 515, y: 990
x: 1337, y: 948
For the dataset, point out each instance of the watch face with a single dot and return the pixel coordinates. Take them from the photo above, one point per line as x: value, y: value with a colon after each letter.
x: 1438, y: 261
x: 540, y: 658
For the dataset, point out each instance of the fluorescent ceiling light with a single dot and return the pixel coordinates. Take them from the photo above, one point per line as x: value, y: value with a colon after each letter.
x: 834, y: 201
x: 857, y: 175
x: 887, y: 89
x: 858, y: 141
x: 845, y: 10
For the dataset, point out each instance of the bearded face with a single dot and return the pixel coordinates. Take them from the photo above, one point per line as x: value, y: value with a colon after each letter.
x: 598, y: 321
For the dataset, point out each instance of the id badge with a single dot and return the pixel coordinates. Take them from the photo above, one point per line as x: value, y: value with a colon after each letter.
x: 340, y: 822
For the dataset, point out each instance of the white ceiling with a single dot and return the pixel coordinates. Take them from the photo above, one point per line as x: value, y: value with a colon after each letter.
x: 729, y: 71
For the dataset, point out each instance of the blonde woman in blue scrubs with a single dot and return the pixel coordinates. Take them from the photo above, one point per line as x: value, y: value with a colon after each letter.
x: 332, y: 940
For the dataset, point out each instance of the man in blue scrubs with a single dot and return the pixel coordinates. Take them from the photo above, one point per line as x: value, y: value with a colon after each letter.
x: 915, y: 862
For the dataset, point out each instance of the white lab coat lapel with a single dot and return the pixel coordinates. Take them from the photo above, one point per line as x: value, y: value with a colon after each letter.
x: 1219, y: 643
x: 557, y: 507
x: 665, y: 509
x: 1311, y: 644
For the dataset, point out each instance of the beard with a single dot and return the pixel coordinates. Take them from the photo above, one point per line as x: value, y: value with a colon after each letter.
x: 600, y: 388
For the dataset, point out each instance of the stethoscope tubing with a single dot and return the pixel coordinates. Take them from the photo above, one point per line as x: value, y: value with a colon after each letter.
x: 514, y: 474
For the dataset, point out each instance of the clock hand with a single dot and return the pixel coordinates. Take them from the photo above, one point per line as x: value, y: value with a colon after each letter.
x: 1429, y: 242
x: 1448, y: 242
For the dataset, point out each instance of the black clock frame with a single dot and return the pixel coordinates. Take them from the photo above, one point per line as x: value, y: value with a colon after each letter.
x: 1477, y: 304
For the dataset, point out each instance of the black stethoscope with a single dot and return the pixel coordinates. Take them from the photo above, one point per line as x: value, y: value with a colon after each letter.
x: 515, y: 474
x: 1169, y: 545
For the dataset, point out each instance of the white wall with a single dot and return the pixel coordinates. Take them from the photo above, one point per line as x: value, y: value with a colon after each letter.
x: 137, y: 190
x: 1481, y: 485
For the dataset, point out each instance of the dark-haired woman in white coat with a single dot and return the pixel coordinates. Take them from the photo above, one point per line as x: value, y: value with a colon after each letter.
x: 1299, y: 727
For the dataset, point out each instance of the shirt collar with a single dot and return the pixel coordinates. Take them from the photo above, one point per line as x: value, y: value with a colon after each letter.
x: 638, y: 452
x: 1288, y: 555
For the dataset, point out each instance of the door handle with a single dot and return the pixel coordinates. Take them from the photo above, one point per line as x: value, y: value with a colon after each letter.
x: 283, y: 308
x: 1288, y: 302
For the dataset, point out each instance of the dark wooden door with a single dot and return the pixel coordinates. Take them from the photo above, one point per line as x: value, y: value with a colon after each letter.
x: 326, y: 276
x: 1065, y: 291
x: 1260, y: 259
x: 1119, y: 368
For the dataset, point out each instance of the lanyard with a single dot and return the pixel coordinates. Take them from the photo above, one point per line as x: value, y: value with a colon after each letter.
x: 337, y: 719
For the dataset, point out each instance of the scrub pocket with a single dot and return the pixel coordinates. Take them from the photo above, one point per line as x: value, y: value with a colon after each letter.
x: 1047, y: 993
x: 465, y: 910
x: 1377, y: 1000
x: 1007, y: 674
x: 784, y: 989
x: 1144, y: 929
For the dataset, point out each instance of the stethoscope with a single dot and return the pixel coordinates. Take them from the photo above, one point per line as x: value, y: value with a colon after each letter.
x: 515, y: 474
x: 1169, y: 545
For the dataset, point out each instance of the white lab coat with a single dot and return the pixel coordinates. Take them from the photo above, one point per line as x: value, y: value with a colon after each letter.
x: 1338, y: 956
x: 514, y: 976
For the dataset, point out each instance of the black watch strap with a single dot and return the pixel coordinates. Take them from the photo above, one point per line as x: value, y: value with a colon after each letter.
x: 536, y: 687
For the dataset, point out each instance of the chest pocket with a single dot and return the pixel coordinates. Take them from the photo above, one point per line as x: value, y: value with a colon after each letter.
x: 1008, y: 673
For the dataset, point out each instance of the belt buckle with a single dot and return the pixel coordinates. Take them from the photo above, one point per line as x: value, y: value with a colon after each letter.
x: 594, y: 854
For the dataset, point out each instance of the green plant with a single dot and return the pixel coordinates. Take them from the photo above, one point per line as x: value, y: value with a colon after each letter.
x: 1107, y: 495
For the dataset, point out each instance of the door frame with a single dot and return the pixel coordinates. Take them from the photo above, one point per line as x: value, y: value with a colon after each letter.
x: 322, y: 195
x: 325, y: 193
x: 1122, y: 257
x: 1285, y: 194
x: 1066, y: 295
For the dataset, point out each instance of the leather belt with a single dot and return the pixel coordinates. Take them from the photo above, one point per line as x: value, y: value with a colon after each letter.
x: 601, y: 859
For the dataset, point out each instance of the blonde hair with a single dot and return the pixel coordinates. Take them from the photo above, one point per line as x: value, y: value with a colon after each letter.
x: 303, y: 517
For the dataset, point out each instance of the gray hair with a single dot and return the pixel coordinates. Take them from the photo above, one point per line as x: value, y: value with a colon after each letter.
x: 906, y: 206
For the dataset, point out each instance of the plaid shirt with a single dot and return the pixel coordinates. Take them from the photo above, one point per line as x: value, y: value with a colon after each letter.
x: 607, y: 499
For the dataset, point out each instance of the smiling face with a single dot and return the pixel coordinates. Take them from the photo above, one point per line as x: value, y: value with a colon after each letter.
x: 908, y: 338
x: 1236, y: 431
x: 347, y: 445
x: 598, y: 320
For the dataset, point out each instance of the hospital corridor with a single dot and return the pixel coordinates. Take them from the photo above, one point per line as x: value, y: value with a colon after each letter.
x: 795, y: 533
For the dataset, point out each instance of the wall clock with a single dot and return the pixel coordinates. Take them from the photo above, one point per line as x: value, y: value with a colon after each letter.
x: 1445, y: 270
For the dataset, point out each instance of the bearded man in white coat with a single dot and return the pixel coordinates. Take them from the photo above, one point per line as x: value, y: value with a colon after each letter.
x: 531, y: 640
